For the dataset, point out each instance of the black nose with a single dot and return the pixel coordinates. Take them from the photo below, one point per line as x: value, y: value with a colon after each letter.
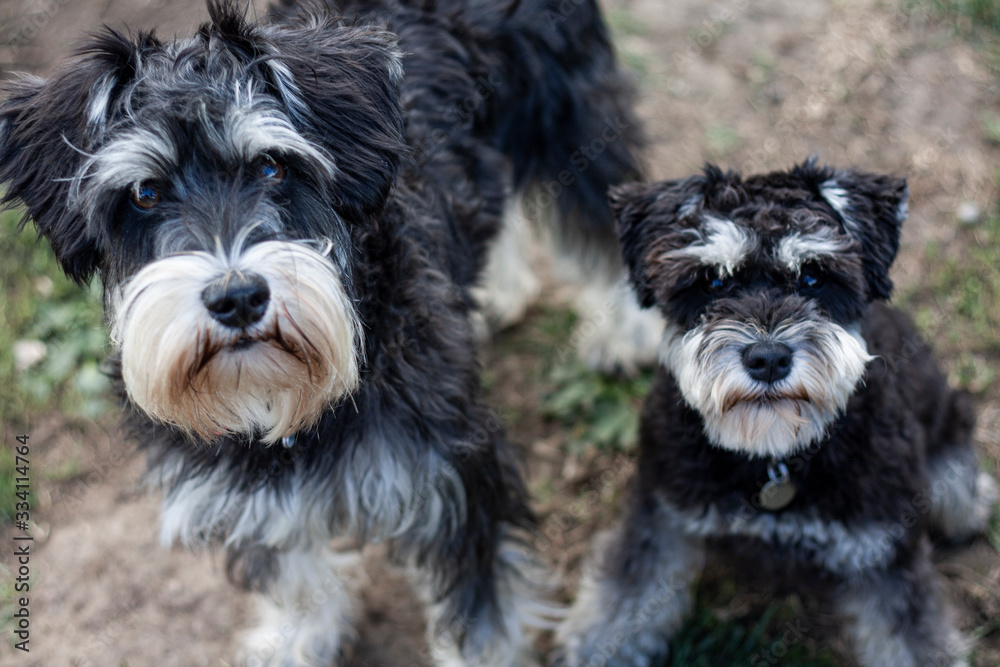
x: 767, y: 362
x: 237, y: 300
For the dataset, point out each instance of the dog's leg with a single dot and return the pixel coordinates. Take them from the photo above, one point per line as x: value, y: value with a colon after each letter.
x: 304, y: 612
x: 896, y: 617
x: 614, y: 333
x: 469, y: 541
x: 962, y: 496
x: 491, y: 620
x: 636, y: 593
x: 508, y: 285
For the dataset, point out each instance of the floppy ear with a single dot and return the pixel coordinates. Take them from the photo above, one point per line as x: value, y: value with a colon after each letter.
x: 647, y: 217
x: 872, y: 209
x: 46, y: 129
x: 340, y: 86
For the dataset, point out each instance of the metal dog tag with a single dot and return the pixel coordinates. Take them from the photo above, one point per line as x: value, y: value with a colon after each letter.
x: 779, y: 489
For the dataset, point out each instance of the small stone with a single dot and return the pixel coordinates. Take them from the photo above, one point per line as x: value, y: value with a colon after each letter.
x: 969, y: 213
x: 27, y: 353
x: 44, y: 287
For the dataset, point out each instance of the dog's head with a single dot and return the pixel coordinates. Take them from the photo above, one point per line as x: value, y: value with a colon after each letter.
x: 764, y: 282
x: 213, y: 183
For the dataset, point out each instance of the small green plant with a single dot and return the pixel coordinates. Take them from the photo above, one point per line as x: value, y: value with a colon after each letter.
x: 597, y: 409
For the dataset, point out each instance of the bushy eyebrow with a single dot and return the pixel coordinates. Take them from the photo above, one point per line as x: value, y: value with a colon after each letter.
x: 798, y: 247
x: 720, y: 243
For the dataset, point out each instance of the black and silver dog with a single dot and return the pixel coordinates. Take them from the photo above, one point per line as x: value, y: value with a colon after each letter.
x: 288, y: 217
x: 795, y: 419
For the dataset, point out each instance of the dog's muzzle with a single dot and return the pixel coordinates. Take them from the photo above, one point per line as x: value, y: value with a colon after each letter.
x: 257, y: 343
x: 766, y: 390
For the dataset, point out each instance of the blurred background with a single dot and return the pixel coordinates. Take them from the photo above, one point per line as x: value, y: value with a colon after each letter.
x: 910, y: 87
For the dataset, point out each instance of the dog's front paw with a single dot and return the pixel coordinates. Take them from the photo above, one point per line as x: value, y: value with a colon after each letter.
x: 286, y: 639
x: 591, y: 637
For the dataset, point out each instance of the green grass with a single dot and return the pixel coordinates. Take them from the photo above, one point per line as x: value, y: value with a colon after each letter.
x: 991, y: 128
x: 969, y: 15
x: 8, y: 487
x: 721, y: 140
x: 957, y: 304
x: 624, y: 23
x: 595, y: 409
x: 7, y: 597
x: 39, y: 303
x: 976, y: 21
x: 705, y: 640
x: 978, y: 14
x: 993, y: 532
x: 736, y: 625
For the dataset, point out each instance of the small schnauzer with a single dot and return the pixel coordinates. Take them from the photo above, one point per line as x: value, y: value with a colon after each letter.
x: 795, y: 418
x: 288, y: 217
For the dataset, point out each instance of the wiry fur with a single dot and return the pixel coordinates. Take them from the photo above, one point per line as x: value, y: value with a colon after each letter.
x: 356, y: 160
x: 216, y: 384
x: 306, y: 616
x: 876, y: 443
x: 743, y: 415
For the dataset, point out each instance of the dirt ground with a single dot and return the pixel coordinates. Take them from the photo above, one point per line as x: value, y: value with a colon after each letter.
x: 753, y: 85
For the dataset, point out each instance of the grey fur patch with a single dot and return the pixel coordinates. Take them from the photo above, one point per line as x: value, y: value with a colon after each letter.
x: 306, y: 616
x: 896, y: 618
x: 962, y: 498
x: 385, y: 489
x: 832, y: 545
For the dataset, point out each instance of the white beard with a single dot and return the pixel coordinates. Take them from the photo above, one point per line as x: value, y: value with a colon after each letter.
x: 744, y: 415
x: 183, y: 368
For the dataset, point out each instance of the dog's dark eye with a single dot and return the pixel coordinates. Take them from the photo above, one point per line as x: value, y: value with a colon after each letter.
x: 269, y: 171
x: 145, y: 196
x: 810, y: 280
